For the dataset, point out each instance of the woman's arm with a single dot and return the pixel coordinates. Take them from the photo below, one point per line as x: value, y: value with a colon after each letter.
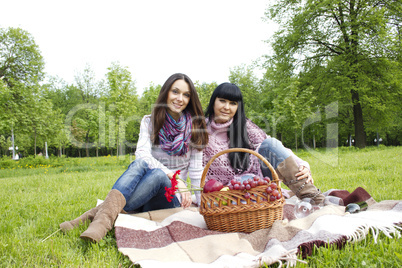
x: 144, y: 146
x: 304, y: 168
x: 255, y: 135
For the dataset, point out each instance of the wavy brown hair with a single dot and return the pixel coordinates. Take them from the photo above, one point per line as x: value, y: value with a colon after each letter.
x: 199, y: 134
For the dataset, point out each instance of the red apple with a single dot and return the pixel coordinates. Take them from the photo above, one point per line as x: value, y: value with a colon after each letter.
x: 212, y: 185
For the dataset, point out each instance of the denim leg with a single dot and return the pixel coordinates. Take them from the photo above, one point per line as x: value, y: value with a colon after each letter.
x: 129, y: 180
x: 150, y: 193
x: 274, y: 152
x: 160, y: 202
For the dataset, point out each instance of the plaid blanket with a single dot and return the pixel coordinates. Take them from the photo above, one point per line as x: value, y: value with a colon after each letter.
x: 180, y: 238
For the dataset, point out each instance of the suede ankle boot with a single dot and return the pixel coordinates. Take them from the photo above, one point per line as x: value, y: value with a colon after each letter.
x: 87, y: 216
x: 105, y: 217
x: 286, y: 172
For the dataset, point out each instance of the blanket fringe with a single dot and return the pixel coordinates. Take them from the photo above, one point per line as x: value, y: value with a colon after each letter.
x: 289, y: 257
x: 362, y: 231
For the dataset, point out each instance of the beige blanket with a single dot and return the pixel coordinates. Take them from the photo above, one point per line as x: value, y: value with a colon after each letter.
x: 180, y: 238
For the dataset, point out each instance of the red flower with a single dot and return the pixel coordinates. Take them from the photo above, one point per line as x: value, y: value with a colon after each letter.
x: 172, y: 190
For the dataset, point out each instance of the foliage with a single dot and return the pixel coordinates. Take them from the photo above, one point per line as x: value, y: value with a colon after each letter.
x: 204, y: 91
x: 122, y: 104
x: 25, y: 110
x: 317, y: 64
x: 54, y: 165
x: 148, y: 98
x: 5, y: 95
x: 348, y: 50
x: 245, y: 79
x: 20, y: 58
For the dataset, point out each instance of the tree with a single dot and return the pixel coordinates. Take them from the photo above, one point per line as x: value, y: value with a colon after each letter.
x: 341, y: 47
x: 245, y: 79
x: 21, y: 70
x: 86, y: 83
x: 122, y: 102
x: 251, y: 87
x: 45, y: 124
x: 204, y: 91
x: 5, y: 96
x: 20, y: 58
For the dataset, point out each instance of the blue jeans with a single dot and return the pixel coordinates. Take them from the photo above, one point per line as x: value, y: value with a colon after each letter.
x: 274, y: 152
x: 144, y: 188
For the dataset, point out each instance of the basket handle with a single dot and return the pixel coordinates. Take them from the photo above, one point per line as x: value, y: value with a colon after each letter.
x: 204, y: 173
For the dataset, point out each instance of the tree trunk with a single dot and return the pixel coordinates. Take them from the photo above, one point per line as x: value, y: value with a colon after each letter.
x: 86, y: 145
x: 313, y: 141
x: 35, y: 142
x: 117, y: 144
x: 360, y: 135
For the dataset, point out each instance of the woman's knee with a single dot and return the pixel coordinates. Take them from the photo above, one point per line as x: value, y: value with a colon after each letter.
x: 133, y: 174
x: 273, y: 150
x: 158, y: 175
x: 270, y: 144
x: 138, y: 163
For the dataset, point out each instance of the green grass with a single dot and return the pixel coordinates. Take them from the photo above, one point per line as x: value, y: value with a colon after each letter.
x: 32, y: 207
x: 37, y: 195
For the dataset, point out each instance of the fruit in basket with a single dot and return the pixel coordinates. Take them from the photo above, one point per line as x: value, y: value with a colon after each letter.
x: 247, y: 182
x: 273, y: 191
x: 226, y: 188
x: 224, y: 202
x: 212, y: 185
x: 269, y: 190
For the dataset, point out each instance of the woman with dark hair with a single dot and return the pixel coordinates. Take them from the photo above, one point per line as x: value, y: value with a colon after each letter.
x: 170, y: 139
x: 228, y: 127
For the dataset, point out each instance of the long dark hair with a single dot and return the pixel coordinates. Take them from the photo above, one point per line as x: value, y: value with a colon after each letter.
x: 199, y: 134
x: 237, y: 131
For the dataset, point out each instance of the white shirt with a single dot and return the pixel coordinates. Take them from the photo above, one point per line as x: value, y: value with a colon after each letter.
x: 189, y: 164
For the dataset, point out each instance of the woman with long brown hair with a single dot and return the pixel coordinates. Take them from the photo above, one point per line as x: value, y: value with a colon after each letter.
x: 171, y: 139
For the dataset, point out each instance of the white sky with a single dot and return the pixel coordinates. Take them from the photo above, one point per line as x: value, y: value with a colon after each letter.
x: 153, y: 38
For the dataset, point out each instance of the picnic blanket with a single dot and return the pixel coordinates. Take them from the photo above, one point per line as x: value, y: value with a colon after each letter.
x: 180, y: 238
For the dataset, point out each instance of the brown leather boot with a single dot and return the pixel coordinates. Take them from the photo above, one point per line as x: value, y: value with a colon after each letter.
x: 286, y: 172
x: 105, y: 217
x: 87, y: 216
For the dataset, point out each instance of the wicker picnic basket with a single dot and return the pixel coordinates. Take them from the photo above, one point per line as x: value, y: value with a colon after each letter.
x: 230, y: 211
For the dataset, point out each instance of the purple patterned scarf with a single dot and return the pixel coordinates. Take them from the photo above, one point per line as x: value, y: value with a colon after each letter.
x: 175, y: 136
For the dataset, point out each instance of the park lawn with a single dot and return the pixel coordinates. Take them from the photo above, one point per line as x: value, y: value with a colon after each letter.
x: 37, y: 195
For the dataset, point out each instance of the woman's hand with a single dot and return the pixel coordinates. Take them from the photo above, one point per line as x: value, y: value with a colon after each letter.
x: 185, y: 194
x: 304, y: 173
